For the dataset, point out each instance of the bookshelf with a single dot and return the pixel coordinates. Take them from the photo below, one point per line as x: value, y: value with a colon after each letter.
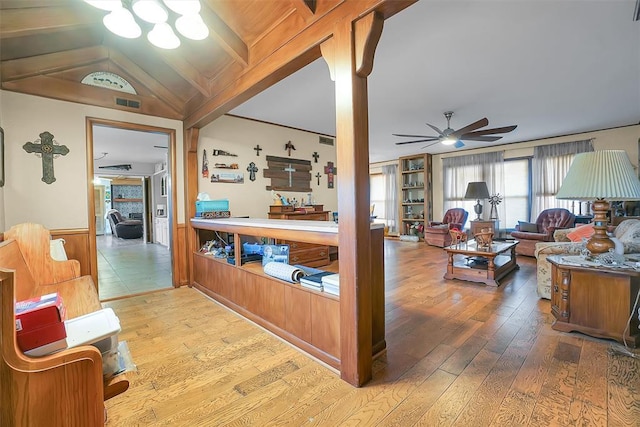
x: 416, y: 197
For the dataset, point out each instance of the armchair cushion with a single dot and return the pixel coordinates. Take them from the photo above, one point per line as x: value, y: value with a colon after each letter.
x: 529, y: 227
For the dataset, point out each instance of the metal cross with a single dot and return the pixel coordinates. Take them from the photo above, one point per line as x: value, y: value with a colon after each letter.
x: 252, y: 169
x: 315, y: 155
x: 318, y: 176
x: 258, y: 149
x: 291, y: 171
x: 289, y: 146
x: 48, y: 151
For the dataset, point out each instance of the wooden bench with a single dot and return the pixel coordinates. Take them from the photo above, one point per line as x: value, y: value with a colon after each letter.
x: 65, y: 388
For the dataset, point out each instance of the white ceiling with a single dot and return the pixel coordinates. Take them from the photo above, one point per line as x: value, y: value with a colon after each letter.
x: 551, y: 67
x: 124, y: 146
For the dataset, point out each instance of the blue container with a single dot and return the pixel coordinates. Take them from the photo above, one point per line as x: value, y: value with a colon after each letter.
x: 212, y: 205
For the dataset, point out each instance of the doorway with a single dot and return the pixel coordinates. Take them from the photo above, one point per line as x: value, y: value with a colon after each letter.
x: 130, y: 214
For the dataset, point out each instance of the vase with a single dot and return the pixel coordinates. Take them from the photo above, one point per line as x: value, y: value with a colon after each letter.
x: 494, y: 212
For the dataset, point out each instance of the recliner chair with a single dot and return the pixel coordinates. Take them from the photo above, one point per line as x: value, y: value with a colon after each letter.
x: 549, y: 220
x: 436, y: 233
x: 124, y: 228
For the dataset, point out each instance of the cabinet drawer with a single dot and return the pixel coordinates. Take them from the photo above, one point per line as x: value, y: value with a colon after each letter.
x: 295, y: 246
x: 318, y: 255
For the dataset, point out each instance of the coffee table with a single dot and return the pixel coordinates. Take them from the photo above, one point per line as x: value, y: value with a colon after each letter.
x: 477, y: 264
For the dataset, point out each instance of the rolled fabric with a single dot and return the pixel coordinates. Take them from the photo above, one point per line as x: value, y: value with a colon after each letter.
x: 284, y: 271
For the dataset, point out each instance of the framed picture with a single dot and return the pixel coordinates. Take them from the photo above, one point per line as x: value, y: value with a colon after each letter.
x: 1, y: 157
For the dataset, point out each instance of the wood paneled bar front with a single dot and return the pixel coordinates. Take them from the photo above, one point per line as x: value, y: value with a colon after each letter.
x: 306, y: 318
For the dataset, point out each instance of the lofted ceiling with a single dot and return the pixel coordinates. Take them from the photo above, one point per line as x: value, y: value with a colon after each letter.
x: 550, y: 67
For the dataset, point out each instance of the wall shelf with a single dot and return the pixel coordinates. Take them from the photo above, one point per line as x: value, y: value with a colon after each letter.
x: 127, y: 200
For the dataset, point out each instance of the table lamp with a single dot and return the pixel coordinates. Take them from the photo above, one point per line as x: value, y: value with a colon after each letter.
x: 477, y: 191
x: 604, y: 176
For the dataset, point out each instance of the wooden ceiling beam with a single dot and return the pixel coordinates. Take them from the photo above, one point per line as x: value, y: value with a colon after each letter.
x: 51, y: 63
x: 225, y: 36
x: 146, y: 80
x: 66, y: 90
x: 30, y: 21
x: 306, y: 8
x: 287, y: 59
x: 175, y: 60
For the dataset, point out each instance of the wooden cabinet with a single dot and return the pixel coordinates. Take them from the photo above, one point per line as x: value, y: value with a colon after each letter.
x: 595, y: 301
x: 302, y: 253
x: 416, y: 207
x: 162, y: 230
x: 306, y: 318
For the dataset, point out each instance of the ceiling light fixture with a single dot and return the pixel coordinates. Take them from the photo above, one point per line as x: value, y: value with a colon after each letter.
x: 448, y: 141
x: 122, y: 22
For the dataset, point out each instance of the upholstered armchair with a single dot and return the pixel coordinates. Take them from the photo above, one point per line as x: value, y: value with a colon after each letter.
x: 542, y: 230
x: 124, y: 228
x: 436, y: 233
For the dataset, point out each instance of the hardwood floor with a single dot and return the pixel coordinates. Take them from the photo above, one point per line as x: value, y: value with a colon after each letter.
x: 459, y: 353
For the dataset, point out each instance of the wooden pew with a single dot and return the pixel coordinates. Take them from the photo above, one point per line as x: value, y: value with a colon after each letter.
x: 65, y: 388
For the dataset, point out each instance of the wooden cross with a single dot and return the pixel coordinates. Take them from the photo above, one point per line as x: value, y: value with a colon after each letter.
x: 252, y: 169
x: 289, y: 146
x: 315, y: 156
x: 330, y: 171
x: 258, y: 150
x: 48, y: 151
x: 318, y: 176
x: 290, y: 170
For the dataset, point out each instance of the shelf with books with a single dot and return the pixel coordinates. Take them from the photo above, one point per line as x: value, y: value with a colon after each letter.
x: 415, y: 205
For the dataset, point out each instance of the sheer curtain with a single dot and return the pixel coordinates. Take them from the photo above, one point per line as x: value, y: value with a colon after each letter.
x: 550, y: 165
x: 459, y: 171
x: 390, y: 173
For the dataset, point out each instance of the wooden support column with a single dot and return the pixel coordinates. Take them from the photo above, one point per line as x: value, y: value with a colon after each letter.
x: 191, y: 171
x: 349, y: 54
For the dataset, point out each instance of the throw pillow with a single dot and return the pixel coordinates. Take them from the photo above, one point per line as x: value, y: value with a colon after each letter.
x: 528, y: 227
x: 583, y: 232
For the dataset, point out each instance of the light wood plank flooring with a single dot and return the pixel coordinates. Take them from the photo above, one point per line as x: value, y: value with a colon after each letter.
x: 459, y: 354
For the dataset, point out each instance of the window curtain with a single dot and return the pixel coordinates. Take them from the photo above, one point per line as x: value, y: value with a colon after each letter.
x: 390, y: 173
x: 550, y: 165
x: 461, y: 170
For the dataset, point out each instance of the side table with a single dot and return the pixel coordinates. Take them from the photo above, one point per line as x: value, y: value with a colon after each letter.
x: 596, y: 301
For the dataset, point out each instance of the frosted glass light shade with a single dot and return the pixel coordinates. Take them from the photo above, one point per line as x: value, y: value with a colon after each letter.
x: 192, y: 27
x: 109, y: 5
x: 150, y: 10
x: 163, y: 36
x: 184, y: 7
x: 121, y: 22
x: 449, y: 141
x: 606, y: 174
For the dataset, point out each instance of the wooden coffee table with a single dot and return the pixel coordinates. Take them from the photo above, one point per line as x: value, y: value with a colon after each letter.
x: 485, y: 265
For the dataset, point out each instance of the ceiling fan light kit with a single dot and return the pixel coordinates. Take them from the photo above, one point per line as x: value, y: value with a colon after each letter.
x: 455, y: 137
x: 122, y: 22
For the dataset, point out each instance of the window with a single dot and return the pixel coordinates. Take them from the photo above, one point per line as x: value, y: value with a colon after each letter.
x: 378, y: 191
x: 517, y: 191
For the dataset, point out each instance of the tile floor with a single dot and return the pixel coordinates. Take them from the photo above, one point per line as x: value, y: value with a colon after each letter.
x: 130, y: 266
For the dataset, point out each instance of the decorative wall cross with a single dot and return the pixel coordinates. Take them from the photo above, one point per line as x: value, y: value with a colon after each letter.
x: 48, y: 150
x: 258, y: 149
x: 288, y: 147
x: 252, y: 169
x: 290, y: 170
x: 318, y: 176
x: 330, y: 170
x: 315, y: 156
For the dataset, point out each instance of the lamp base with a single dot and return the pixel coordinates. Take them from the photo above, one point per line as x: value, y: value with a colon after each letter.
x: 600, y: 242
x: 477, y: 208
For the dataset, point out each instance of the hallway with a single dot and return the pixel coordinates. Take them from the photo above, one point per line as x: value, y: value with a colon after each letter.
x: 127, y: 267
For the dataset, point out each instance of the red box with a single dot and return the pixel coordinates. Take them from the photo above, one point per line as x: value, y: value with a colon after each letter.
x: 40, y: 321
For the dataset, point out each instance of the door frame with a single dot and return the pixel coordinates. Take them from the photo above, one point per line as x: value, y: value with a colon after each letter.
x: 171, y: 193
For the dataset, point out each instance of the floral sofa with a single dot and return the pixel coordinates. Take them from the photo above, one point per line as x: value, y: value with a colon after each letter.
x: 628, y: 233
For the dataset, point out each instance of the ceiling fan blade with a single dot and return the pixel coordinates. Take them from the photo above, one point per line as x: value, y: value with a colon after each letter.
x: 480, y: 138
x: 473, y: 126
x: 413, y: 136
x: 417, y: 140
x: 429, y: 145
x: 434, y: 128
x: 482, y: 132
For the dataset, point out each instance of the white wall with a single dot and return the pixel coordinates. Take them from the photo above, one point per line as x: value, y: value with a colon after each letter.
x: 62, y: 204
x: 625, y: 138
x: 239, y: 136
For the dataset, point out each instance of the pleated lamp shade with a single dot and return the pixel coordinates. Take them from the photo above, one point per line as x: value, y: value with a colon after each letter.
x: 606, y: 174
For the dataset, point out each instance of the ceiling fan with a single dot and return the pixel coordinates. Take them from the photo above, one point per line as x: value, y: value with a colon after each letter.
x: 455, y: 137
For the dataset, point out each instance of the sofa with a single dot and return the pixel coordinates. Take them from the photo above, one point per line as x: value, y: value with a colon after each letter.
x: 627, y: 234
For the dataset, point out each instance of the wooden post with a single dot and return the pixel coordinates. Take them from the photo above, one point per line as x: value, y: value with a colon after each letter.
x: 349, y: 55
x: 191, y: 170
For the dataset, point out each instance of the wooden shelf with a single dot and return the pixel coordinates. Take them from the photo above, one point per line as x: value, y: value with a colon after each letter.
x: 127, y: 200
x: 415, y: 184
x: 413, y: 171
x: 413, y: 219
